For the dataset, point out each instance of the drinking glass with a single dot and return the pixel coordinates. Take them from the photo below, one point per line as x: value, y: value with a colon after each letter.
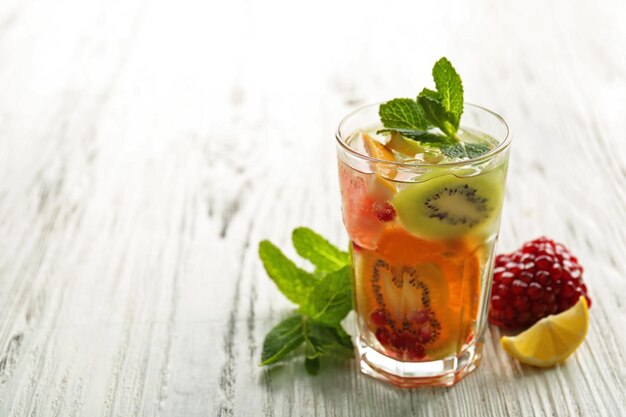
x: 421, y: 281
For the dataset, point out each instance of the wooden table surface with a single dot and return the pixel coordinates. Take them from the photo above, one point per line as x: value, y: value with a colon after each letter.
x: 146, y: 147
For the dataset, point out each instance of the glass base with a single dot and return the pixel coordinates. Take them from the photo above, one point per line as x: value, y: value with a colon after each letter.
x: 444, y: 372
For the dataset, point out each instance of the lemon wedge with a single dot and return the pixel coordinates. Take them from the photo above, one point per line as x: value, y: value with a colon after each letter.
x: 552, y: 339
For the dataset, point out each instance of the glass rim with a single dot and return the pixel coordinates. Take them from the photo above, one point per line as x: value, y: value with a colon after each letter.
x: 503, y: 145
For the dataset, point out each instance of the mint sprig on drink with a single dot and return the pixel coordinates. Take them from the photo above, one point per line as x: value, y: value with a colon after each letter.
x: 324, y: 298
x: 441, y: 109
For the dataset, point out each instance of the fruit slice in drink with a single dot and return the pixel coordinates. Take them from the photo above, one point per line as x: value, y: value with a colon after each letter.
x: 449, y: 207
x: 417, y: 296
x: 366, y: 208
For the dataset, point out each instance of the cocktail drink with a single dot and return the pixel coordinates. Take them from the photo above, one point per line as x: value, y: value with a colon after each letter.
x: 423, y: 221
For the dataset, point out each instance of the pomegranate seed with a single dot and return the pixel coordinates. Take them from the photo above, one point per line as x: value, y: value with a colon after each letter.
x: 569, y: 289
x: 417, y: 352
x: 378, y: 317
x: 506, y: 278
x: 530, y: 249
x: 526, y: 276
x: 544, y: 262
x: 513, y: 267
x: 530, y: 266
x: 383, y: 336
x: 496, y: 302
x: 402, y: 341
x: 424, y: 334
x: 502, y: 290
x: 520, y: 303
x: 518, y: 287
x: 508, y: 313
x: 384, y: 211
x: 535, y: 291
x: 549, y: 297
x: 543, y: 277
x: 421, y: 316
x: 556, y: 271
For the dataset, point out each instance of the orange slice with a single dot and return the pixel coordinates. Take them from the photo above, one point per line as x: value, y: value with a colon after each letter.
x: 407, y: 275
x: 377, y: 150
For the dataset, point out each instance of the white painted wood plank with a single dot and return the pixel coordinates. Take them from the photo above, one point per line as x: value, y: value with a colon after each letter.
x: 146, y: 147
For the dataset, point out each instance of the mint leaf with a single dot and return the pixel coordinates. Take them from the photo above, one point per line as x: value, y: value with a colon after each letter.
x: 436, y: 112
x: 324, y: 297
x: 428, y: 138
x: 442, y: 108
x: 449, y: 89
x: 403, y: 113
x: 312, y: 366
x: 456, y: 151
x: 292, y: 281
x: 474, y: 150
x: 282, y: 339
x: 321, y: 340
x: 427, y: 92
x: 331, y: 298
x: 318, y: 250
x: 467, y: 150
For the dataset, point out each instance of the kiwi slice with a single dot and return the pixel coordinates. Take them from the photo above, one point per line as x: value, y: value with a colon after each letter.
x: 449, y: 206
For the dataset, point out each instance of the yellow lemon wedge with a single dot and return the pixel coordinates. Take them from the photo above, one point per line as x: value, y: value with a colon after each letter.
x: 552, y: 339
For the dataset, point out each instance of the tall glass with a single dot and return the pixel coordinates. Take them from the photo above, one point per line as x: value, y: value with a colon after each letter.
x: 422, y: 272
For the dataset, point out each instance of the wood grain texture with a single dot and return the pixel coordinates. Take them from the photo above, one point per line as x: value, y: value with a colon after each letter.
x: 147, y: 146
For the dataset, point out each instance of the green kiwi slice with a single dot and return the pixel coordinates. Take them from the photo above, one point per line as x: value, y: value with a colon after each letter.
x: 449, y: 206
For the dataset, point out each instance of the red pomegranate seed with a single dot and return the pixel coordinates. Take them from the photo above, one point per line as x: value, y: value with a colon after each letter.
x: 569, y: 289
x: 556, y: 271
x: 520, y: 303
x: 535, y: 291
x: 549, y: 297
x: 421, y: 316
x: 402, y: 341
x: 543, y: 277
x: 384, y: 211
x: 417, y: 352
x: 378, y: 317
x: 383, y: 336
x: 526, y: 276
x: 544, y: 262
x: 518, y: 287
x: 496, y: 302
x: 425, y: 333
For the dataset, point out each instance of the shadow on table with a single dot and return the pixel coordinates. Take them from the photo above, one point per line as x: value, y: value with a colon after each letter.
x: 340, y: 387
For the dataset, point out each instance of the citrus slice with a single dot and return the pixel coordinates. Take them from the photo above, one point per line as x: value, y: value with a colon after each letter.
x: 377, y: 150
x: 408, y: 147
x: 552, y: 339
x: 407, y: 277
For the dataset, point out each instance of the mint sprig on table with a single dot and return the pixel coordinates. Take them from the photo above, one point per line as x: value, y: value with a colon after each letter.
x: 324, y: 298
x: 441, y: 109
